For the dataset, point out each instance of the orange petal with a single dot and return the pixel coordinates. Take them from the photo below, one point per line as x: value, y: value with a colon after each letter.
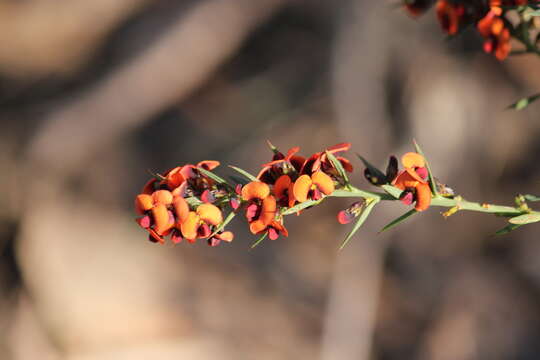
x: 143, y: 202
x: 227, y: 236
x: 323, y: 182
x: 345, y: 163
x: 269, y: 209
x: 291, y: 152
x: 423, y: 197
x: 339, y: 148
x: 256, y: 226
x: 161, y: 218
x: 210, y: 214
x: 162, y: 197
x: 255, y: 190
x: 208, y: 164
x: 301, y: 188
x: 414, y: 175
x: 282, y: 184
x: 412, y: 160
x: 174, y: 177
x: 292, y: 200
x: 155, y: 237
x: 181, y: 209
x: 190, y: 226
x: 405, y: 180
x: 279, y: 226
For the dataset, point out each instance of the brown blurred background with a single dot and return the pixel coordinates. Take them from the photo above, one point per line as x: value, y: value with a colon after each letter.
x: 94, y: 93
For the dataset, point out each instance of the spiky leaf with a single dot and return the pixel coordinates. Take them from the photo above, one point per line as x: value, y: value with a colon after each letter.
x: 244, y: 173
x: 432, y: 181
x: 398, y: 220
x: 339, y: 167
x: 301, y: 206
x: 524, y: 102
x: 508, y: 228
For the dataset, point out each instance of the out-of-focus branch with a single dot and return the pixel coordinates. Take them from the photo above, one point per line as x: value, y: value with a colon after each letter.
x: 166, y: 73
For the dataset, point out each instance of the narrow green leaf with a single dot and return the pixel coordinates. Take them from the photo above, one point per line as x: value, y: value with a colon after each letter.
x: 392, y: 190
x: 508, y: 228
x: 259, y: 240
x: 301, y: 206
x: 244, y: 173
x: 533, y: 198
x: 339, y: 167
x: 361, y: 219
x: 524, y: 102
x: 225, y: 222
x: 525, y: 219
x: 432, y: 182
x: 373, y: 170
x: 398, y: 220
x: 212, y: 176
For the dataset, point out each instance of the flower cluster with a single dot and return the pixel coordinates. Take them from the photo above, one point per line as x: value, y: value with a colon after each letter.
x: 188, y: 201
x: 184, y: 203
x: 290, y: 179
x: 487, y: 15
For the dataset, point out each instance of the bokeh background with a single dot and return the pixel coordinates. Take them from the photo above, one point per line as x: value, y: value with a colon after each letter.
x: 94, y: 93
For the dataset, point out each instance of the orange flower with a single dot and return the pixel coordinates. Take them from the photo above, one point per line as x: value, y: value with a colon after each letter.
x: 414, y: 190
x: 197, y: 223
x: 166, y: 212
x: 306, y: 187
x: 283, y: 190
x: 450, y: 16
x: 280, y: 165
x: 219, y: 237
x: 261, y: 214
x: 319, y: 161
x: 415, y: 165
x: 496, y: 35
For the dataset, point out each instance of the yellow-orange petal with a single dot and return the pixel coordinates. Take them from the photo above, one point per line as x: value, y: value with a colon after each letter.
x: 227, y: 236
x: 282, y: 184
x: 255, y: 190
x: 256, y: 226
x: 210, y: 214
x: 181, y: 209
x: 412, y: 160
x: 161, y: 219
x: 162, y: 197
x: 323, y: 182
x: 301, y: 188
x: 268, y: 210
x: 190, y: 226
x: 208, y: 164
x: 423, y: 197
x: 143, y: 202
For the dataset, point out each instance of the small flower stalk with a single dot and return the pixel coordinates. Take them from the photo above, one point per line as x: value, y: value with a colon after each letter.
x: 189, y: 202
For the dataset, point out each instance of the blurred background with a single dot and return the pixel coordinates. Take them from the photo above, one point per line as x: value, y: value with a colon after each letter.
x: 94, y: 93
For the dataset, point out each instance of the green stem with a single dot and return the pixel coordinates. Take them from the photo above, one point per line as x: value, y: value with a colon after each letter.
x: 456, y: 202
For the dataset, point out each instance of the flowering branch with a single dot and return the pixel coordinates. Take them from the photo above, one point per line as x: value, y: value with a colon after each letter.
x: 188, y: 202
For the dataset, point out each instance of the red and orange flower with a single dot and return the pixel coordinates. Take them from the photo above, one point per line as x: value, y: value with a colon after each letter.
x: 165, y: 209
